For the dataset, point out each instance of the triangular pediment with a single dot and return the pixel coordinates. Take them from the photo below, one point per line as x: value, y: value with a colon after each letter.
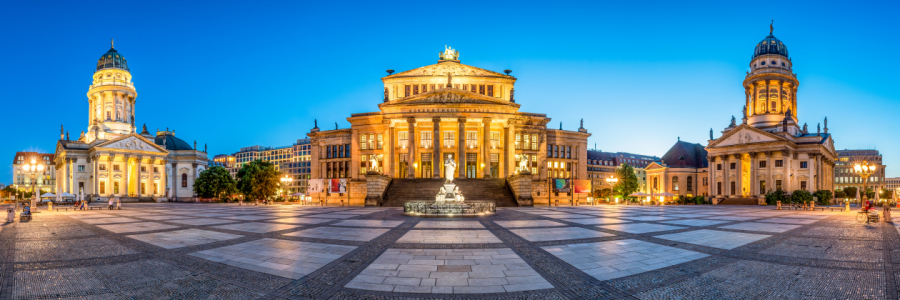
x: 133, y: 142
x: 654, y: 166
x: 449, y: 96
x: 448, y: 67
x: 745, y: 134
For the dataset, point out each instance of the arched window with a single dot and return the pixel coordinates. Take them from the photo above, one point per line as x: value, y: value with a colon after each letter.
x: 674, y: 183
x: 183, y: 179
x: 690, y: 184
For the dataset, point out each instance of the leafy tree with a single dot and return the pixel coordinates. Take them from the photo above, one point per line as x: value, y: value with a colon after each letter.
x: 870, y: 194
x: 772, y: 197
x: 887, y: 194
x: 258, y: 180
x: 850, y: 191
x: 840, y: 194
x: 7, y: 191
x: 214, y: 182
x: 801, y: 196
x: 824, y: 196
x: 628, y: 182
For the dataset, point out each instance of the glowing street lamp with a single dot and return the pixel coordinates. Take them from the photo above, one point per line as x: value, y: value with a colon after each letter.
x: 285, y: 181
x: 864, y: 170
x: 612, y: 181
x: 33, y: 169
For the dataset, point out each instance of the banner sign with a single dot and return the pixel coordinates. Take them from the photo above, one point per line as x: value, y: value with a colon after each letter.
x: 560, y: 185
x: 338, y: 185
x: 582, y: 186
x: 316, y: 186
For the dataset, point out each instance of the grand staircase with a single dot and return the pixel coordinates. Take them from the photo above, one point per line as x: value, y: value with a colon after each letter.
x: 402, y: 190
x: 739, y: 201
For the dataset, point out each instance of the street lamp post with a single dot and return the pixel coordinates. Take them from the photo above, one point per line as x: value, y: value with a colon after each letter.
x: 864, y: 170
x: 611, y: 181
x: 33, y: 169
x: 286, y: 181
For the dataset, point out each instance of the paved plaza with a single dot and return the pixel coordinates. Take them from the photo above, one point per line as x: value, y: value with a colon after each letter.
x: 225, y: 251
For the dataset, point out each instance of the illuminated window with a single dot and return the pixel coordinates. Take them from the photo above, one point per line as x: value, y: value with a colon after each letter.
x: 490, y: 90
x: 115, y: 168
x: 101, y: 166
x: 471, y: 139
x: 449, y: 139
x: 380, y: 141
x: 481, y: 89
x: 415, y: 89
x: 363, y: 142
x: 495, y: 139
x: 372, y: 141
x: 406, y: 93
x: 403, y: 137
x: 183, y: 180
x: 534, y: 142
x: 426, y: 139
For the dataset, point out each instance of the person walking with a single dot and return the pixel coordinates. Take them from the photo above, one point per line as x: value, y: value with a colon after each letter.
x: 111, y: 200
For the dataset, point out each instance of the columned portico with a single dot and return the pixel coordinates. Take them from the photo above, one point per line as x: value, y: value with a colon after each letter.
x: 436, y: 161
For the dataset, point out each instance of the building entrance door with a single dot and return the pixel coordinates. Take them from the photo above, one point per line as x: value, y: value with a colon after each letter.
x: 495, y: 165
x: 404, y: 166
x: 471, y: 164
x: 426, y: 166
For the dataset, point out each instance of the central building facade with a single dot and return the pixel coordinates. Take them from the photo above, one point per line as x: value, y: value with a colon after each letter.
x: 448, y: 111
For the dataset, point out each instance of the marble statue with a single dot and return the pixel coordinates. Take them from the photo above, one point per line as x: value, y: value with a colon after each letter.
x: 449, y: 54
x: 440, y: 196
x: 374, y: 163
x: 458, y: 195
x: 523, y: 163
x: 449, y: 169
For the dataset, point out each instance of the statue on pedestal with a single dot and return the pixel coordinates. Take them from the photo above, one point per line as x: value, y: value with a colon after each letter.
x: 449, y: 169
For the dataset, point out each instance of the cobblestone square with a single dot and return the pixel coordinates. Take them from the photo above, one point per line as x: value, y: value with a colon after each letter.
x: 226, y: 251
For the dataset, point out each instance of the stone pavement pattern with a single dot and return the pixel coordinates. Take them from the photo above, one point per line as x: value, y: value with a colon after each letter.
x: 225, y: 251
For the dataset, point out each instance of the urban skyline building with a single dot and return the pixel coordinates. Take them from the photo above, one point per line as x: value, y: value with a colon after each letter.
x: 44, y: 182
x: 846, y: 176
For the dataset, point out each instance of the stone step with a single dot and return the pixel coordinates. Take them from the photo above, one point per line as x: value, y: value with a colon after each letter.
x: 402, y: 190
x: 739, y: 201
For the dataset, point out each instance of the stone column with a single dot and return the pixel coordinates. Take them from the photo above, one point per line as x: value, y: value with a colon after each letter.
x: 127, y: 174
x: 740, y: 174
x: 812, y: 165
x: 67, y: 177
x: 770, y: 185
x: 770, y: 109
x: 486, y: 147
x: 785, y: 164
x: 755, y: 95
x: 754, y: 183
x: 711, y: 177
x: 726, y: 182
x: 411, y: 171
x: 96, y: 182
x: 194, y: 177
x: 748, y: 103
x: 507, y: 134
x: 138, y: 181
x: 174, y: 188
x: 389, y: 158
x: 780, y: 102
x: 461, y: 156
x: 436, y: 160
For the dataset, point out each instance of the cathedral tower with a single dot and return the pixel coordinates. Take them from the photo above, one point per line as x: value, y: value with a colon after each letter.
x: 111, y: 98
x: 770, y: 86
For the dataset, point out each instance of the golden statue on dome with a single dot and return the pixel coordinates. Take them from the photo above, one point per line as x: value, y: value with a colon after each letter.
x: 449, y: 54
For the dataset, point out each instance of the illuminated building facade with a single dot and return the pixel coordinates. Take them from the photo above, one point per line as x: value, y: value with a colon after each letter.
x: 846, y: 176
x: 768, y: 150
x: 111, y: 159
x: 448, y: 111
x: 44, y: 182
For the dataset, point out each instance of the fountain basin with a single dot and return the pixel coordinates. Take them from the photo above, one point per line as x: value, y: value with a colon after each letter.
x: 462, y: 209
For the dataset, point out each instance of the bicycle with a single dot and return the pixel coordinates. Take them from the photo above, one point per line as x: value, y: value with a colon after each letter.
x: 865, y: 216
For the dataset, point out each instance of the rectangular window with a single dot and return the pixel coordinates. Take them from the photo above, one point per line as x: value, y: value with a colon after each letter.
x: 718, y: 188
x: 495, y: 139
x: 518, y: 141
x: 762, y: 164
x: 762, y: 187
x: 777, y: 184
x: 81, y: 168
x: 143, y: 188
x: 102, y: 167
x: 372, y: 141
x: 426, y: 139
x: 456, y: 86
x: 473, y: 88
x: 402, y: 136
x: 406, y: 94
x: 103, y: 187
x: 471, y: 139
x: 526, y: 141
x: 143, y: 169
x: 481, y: 89
x: 115, y: 168
x: 733, y: 184
x: 803, y: 164
x: 549, y: 150
x: 424, y: 88
x: 116, y: 187
x: 719, y: 167
x: 347, y: 150
x: 449, y: 139
x: 705, y: 181
x: 415, y: 89
x: 490, y: 90
x: 380, y: 143
x: 363, y: 141
x: 534, y: 164
x: 534, y: 142
x: 155, y: 169
x: 465, y: 87
x: 363, y: 164
x: 569, y: 152
x: 803, y: 185
x: 431, y: 87
x: 779, y: 163
x: 340, y: 151
x: 556, y: 151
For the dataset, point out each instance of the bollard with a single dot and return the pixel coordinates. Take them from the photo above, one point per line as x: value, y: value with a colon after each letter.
x: 886, y: 212
x: 848, y: 205
x: 10, y: 215
x: 342, y: 202
x: 557, y: 202
x: 778, y: 205
x: 812, y: 205
x: 50, y: 206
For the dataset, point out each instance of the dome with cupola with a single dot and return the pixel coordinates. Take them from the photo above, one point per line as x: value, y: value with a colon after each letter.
x: 770, y: 45
x: 112, y: 60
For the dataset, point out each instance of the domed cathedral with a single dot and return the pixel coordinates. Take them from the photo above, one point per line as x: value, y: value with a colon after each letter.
x: 448, y: 113
x: 111, y: 159
x: 768, y: 150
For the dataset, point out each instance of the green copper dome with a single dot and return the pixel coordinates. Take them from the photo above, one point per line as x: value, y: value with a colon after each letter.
x: 112, y: 60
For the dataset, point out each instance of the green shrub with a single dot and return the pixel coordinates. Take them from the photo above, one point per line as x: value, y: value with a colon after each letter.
x: 772, y: 197
x: 700, y: 200
x: 824, y: 197
x: 801, y: 196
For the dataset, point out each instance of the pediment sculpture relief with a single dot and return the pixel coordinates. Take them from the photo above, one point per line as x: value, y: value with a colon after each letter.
x: 450, y: 98
x: 448, y: 68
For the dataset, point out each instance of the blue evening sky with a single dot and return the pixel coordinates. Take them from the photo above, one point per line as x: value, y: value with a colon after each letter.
x: 640, y: 73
